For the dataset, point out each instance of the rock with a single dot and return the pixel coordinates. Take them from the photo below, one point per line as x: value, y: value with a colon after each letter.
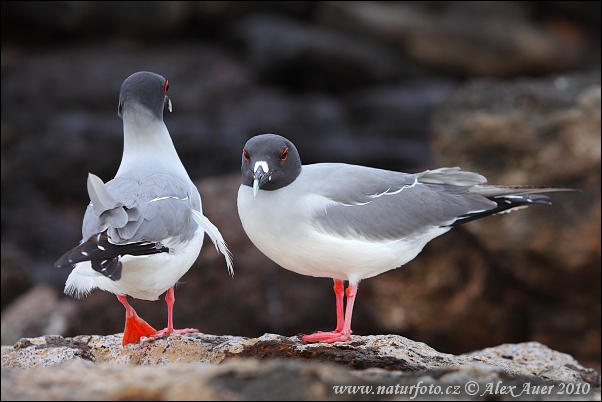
x: 200, y: 366
x: 38, y: 311
x: 392, y: 123
x: 464, y: 39
x: 302, y: 57
x: 89, y: 18
x: 585, y: 12
x: 449, y: 297
x: 15, y: 273
x: 545, y: 132
x: 210, y: 12
x: 31, y: 218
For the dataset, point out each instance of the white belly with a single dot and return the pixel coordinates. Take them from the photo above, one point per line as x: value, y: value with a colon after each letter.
x: 143, y: 277
x: 289, y: 239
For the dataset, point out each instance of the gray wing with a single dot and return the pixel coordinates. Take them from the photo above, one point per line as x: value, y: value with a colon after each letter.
x: 385, y: 205
x: 149, y: 209
x: 133, y: 215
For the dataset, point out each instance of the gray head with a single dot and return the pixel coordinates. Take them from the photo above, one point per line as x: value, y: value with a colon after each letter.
x: 269, y: 162
x: 144, y: 90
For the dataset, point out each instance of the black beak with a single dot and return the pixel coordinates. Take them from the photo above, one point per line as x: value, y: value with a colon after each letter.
x: 167, y: 103
x: 259, y: 179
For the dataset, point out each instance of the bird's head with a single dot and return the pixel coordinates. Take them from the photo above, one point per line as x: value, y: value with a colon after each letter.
x: 144, y: 92
x: 269, y: 162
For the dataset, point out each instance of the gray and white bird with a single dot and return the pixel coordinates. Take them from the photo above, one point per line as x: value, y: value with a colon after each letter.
x: 142, y: 230
x: 350, y: 222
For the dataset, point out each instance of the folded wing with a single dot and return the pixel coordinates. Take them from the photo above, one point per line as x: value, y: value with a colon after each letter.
x: 148, y: 212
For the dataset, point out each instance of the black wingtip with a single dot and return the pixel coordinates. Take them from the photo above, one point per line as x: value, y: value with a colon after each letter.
x: 64, y: 260
x: 110, y: 268
x: 505, y: 204
x: 105, y: 256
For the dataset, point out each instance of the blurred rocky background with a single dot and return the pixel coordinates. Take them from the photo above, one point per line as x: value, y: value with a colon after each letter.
x: 508, y: 89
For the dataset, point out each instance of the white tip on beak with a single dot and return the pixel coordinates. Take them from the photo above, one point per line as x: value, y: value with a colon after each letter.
x: 255, y: 187
x: 169, y: 105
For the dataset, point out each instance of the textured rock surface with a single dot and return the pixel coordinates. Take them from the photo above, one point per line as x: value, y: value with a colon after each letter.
x: 544, y: 131
x: 274, y: 367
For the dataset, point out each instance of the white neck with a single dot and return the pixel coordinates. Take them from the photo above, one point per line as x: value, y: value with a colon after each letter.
x: 148, y: 145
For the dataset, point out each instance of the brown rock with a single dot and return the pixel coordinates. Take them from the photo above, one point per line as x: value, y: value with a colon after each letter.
x: 464, y: 39
x: 279, y: 368
x: 544, y: 132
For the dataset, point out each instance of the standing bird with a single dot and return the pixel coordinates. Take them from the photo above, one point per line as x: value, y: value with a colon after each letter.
x: 143, y: 230
x: 350, y: 222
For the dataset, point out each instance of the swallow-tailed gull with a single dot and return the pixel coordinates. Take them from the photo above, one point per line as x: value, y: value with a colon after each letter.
x: 350, y: 222
x: 144, y: 228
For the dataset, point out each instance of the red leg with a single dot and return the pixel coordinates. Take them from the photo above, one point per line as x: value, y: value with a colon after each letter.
x: 170, y: 300
x: 339, y: 291
x: 343, y: 330
x: 135, y: 327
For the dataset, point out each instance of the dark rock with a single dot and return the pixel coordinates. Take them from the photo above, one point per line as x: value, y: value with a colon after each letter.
x: 585, y: 12
x: 64, y: 17
x: 15, y: 265
x: 392, y: 123
x: 306, y: 58
x: 32, y: 223
x: 464, y: 39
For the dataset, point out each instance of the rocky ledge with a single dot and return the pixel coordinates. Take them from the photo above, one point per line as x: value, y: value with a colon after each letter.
x: 273, y: 367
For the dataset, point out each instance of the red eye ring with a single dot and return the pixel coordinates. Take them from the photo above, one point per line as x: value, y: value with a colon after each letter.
x: 166, y: 86
x: 284, y: 155
x: 245, y: 154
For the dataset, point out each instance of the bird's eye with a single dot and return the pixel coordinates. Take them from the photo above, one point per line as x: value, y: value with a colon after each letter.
x: 284, y: 155
x: 245, y: 154
x: 166, y: 86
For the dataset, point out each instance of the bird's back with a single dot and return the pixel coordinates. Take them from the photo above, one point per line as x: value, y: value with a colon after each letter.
x: 157, y: 206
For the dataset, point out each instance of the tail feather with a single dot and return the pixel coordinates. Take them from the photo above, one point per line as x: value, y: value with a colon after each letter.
x: 491, y: 191
x: 215, y: 236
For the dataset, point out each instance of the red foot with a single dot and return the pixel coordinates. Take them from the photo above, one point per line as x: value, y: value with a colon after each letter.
x: 327, y: 337
x: 343, y: 331
x: 136, y: 328
x: 166, y: 331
